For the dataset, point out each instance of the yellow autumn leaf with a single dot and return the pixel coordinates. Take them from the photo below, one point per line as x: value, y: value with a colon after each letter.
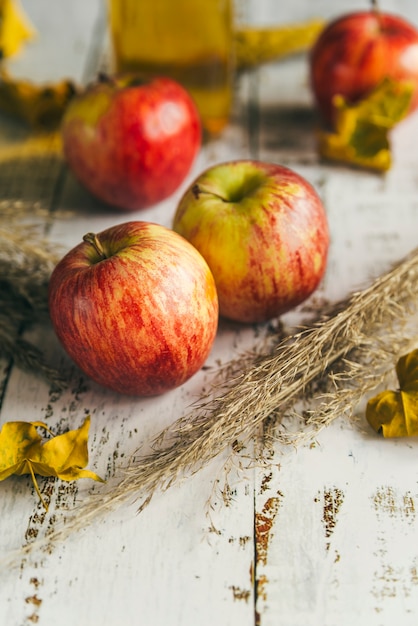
x: 361, y: 134
x: 395, y: 413
x: 254, y: 46
x: 15, y: 28
x: 24, y: 451
x: 41, y: 106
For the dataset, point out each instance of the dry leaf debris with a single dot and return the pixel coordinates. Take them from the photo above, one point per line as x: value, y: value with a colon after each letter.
x: 361, y: 134
x: 24, y: 451
x: 395, y: 413
x: 40, y: 106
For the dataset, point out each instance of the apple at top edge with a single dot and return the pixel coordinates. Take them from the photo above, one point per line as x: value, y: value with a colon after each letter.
x: 356, y: 52
x: 131, y: 143
x: 263, y: 231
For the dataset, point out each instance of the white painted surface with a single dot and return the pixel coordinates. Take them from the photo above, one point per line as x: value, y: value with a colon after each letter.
x: 337, y: 529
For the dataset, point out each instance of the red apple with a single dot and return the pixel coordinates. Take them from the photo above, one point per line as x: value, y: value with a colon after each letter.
x: 135, y: 307
x: 356, y: 52
x: 263, y: 232
x: 131, y: 143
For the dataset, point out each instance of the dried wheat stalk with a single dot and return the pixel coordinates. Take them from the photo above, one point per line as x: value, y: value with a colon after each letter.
x: 367, y: 326
x: 26, y: 262
x: 347, y: 384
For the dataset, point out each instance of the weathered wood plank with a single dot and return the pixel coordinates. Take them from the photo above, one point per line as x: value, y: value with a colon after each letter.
x: 321, y: 537
x: 187, y: 544
x: 336, y: 521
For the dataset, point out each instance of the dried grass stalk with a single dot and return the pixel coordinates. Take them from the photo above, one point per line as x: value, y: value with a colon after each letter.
x: 342, y: 389
x: 365, y: 324
x: 26, y: 262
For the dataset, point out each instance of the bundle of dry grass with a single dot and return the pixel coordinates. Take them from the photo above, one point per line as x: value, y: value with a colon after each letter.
x: 26, y: 262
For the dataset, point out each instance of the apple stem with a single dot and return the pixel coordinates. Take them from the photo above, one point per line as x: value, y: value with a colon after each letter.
x: 198, y: 189
x: 377, y: 13
x: 93, y: 240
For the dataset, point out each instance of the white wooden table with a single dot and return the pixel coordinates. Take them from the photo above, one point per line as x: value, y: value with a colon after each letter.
x: 327, y: 535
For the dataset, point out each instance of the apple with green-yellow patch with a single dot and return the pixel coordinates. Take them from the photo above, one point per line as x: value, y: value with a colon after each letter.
x: 263, y: 231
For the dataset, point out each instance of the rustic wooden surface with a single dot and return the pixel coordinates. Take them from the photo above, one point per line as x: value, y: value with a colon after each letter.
x: 324, y: 536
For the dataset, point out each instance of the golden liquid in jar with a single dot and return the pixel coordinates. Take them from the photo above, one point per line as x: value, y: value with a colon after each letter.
x: 187, y: 40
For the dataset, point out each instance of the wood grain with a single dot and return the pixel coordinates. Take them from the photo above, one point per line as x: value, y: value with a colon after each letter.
x: 325, y: 535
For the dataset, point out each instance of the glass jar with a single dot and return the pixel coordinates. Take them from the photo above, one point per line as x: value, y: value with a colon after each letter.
x: 188, y: 40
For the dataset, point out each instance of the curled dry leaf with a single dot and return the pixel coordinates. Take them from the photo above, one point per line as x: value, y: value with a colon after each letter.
x: 24, y: 451
x: 395, y: 413
x: 40, y: 106
x: 361, y: 135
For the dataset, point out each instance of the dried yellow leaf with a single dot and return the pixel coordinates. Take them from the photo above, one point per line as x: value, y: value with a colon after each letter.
x: 255, y: 46
x: 40, y: 106
x: 24, y: 451
x: 395, y: 413
x: 361, y: 135
x: 15, y: 28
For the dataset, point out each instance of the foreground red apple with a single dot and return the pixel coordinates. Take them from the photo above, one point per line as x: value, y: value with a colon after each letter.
x: 356, y: 52
x: 131, y: 144
x: 136, y: 308
x: 263, y: 232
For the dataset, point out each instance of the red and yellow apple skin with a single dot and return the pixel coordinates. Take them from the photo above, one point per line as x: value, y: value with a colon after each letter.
x: 131, y: 145
x: 136, y: 308
x: 356, y: 52
x: 263, y: 231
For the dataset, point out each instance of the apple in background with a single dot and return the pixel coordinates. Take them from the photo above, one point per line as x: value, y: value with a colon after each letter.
x: 263, y: 232
x: 356, y: 52
x: 131, y: 143
x: 135, y: 307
